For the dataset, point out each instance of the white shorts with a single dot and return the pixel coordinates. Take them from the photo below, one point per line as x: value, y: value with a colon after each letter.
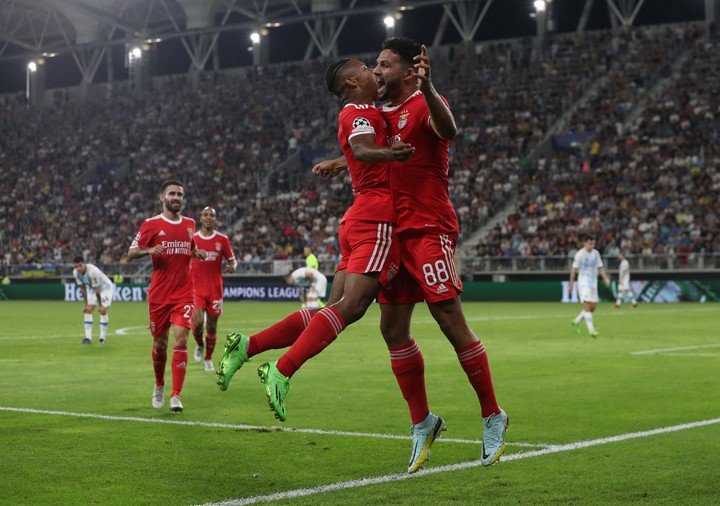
x: 317, y: 290
x: 588, y: 294
x: 106, y: 297
x: 623, y: 288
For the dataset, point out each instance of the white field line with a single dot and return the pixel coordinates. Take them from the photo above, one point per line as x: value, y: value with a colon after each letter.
x: 363, y: 482
x: 257, y: 428
x: 670, y: 350
x: 690, y: 354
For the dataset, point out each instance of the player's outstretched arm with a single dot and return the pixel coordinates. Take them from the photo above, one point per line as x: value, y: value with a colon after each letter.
x: 365, y: 150
x: 441, y: 118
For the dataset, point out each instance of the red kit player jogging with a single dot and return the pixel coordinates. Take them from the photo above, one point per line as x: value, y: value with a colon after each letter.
x: 168, y: 239
x: 207, y: 275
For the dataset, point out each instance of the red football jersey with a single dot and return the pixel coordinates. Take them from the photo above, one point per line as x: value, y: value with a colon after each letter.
x: 207, y: 273
x: 171, y: 282
x: 370, y: 181
x: 420, y: 184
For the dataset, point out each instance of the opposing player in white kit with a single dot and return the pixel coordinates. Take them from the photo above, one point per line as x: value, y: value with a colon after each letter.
x: 313, y: 281
x: 623, y: 286
x: 97, y: 290
x: 586, y: 265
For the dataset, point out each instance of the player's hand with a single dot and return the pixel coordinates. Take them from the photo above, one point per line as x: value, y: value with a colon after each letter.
x: 402, y: 151
x: 230, y: 268
x: 422, y: 69
x: 201, y: 254
x: 327, y: 169
x: 156, y: 250
x: 570, y: 288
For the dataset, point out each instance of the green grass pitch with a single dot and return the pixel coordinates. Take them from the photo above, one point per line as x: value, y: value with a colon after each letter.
x: 653, y: 367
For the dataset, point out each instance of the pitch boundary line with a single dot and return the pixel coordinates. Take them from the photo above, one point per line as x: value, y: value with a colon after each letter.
x: 245, y: 427
x: 376, y: 480
x: 670, y: 350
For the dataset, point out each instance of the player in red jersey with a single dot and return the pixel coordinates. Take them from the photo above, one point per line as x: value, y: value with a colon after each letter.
x: 168, y: 239
x: 428, y: 227
x: 366, y: 234
x: 428, y: 232
x: 207, y: 275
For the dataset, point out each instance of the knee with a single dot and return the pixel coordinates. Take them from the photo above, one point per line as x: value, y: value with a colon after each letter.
x: 394, y: 334
x: 87, y: 310
x: 352, y: 309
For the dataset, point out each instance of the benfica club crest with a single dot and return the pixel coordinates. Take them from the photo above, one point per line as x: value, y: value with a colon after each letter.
x: 218, y: 246
x: 403, y: 119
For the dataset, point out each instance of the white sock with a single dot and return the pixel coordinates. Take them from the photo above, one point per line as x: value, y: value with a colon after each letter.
x: 104, y: 320
x: 88, y: 320
x: 580, y: 316
x: 589, y: 321
x: 618, y: 301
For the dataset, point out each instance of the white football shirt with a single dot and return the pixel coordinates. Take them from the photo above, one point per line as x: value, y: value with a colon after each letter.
x: 588, y: 264
x: 93, y: 278
x: 624, y: 273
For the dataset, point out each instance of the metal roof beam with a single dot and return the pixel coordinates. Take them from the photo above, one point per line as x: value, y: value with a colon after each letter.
x: 98, y: 14
x: 246, y: 25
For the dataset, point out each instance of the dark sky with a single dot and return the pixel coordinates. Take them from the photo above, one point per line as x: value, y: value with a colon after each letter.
x: 505, y: 19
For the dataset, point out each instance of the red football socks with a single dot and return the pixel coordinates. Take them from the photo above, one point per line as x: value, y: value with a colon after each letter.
x: 159, y: 360
x: 408, y: 366
x: 320, y: 332
x: 474, y: 362
x: 210, y: 340
x: 281, y: 335
x: 179, y: 367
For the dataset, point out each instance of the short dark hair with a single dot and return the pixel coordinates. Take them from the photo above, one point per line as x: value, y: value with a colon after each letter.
x: 407, y: 49
x: 588, y: 237
x: 78, y: 260
x: 334, y: 78
x: 170, y: 182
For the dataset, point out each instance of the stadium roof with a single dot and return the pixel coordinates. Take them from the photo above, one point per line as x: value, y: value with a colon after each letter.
x: 86, y: 29
x: 55, y: 26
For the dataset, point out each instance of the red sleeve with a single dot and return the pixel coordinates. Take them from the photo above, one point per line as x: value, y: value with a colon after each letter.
x: 227, y: 249
x: 142, y: 238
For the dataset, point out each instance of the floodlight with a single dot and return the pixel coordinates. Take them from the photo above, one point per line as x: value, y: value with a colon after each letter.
x: 135, y: 53
x: 389, y: 21
x: 32, y: 66
x: 255, y: 38
x: 540, y: 5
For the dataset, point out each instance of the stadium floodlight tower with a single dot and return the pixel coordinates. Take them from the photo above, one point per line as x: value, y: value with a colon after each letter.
x: 390, y: 24
x: 35, y: 82
x: 260, y: 48
x: 138, y: 65
x: 541, y: 7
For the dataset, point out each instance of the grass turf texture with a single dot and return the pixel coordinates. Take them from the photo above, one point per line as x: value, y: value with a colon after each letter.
x: 558, y: 388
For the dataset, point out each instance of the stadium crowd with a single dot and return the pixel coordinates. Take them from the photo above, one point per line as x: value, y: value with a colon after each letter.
x: 81, y: 175
x: 652, y: 187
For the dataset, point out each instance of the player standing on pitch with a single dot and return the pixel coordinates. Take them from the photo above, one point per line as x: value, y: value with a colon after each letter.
x: 97, y: 290
x: 586, y: 265
x: 207, y: 276
x: 168, y: 239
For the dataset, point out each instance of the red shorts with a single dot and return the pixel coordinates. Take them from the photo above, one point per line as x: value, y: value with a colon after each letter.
x: 210, y: 304
x: 368, y: 246
x: 162, y: 315
x: 427, y: 270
